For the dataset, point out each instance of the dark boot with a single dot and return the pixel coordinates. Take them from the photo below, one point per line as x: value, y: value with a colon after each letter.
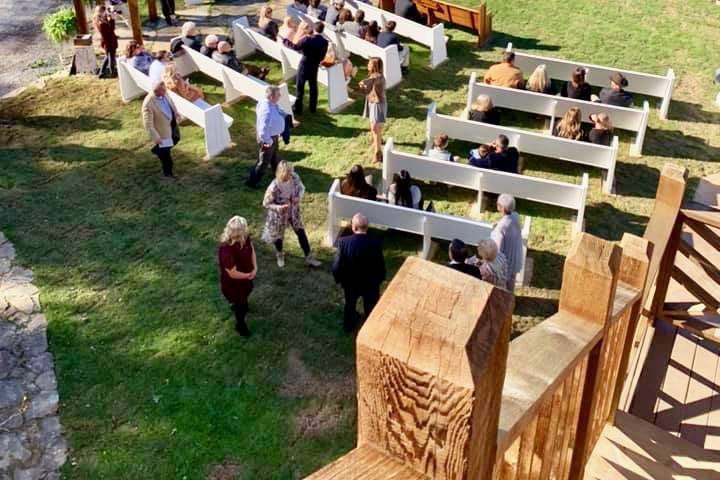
x: 240, y: 326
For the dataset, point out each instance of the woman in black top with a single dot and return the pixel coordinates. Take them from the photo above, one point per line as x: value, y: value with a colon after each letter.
x: 577, y: 88
x: 355, y: 185
x: 601, y: 132
x: 483, y: 110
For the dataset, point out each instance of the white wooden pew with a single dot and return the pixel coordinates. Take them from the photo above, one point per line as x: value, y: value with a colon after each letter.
x: 134, y: 84
x: 247, y: 41
x: 235, y: 84
x: 348, y: 43
x: 551, y: 192
x: 642, y: 83
x: 433, y: 37
x: 525, y: 141
x: 429, y: 225
x: 632, y: 119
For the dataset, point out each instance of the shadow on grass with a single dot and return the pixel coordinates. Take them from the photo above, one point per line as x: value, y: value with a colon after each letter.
x: 501, y: 39
x: 605, y: 221
x: 676, y: 144
x: 692, y: 112
x: 63, y: 124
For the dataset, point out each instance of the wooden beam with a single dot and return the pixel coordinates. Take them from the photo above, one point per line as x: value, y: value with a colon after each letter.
x: 697, y: 290
x: 80, y: 19
x: 135, y: 20
x: 152, y: 10
x: 699, y: 259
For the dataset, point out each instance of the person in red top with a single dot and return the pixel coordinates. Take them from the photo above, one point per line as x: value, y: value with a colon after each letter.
x: 104, y: 23
x: 238, y: 268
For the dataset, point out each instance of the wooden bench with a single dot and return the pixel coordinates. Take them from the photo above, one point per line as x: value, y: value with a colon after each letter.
x: 247, y: 41
x: 346, y: 43
x: 428, y: 224
x: 555, y: 106
x: 432, y: 37
x: 525, y: 141
x: 235, y: 84
x: 642, y: 83
x: 479, y: 20
x: 550, y: 192
x: 134, y: 84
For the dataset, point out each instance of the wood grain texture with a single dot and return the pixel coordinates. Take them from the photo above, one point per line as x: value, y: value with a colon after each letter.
x: 366, y: 463
x: 430, y: 365
x: 671, y: 398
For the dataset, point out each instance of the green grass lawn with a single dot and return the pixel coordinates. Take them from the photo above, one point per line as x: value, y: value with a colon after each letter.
x: 154, y: 383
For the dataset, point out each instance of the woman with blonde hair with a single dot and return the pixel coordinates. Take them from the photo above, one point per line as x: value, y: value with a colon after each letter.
x: 305, y: 29
x: 492, y: 263
x: 265, y: 16
x: 287, y: 30
x: 282, y: 201
x: 104, y: 23
x: 539, y: 81
x: 570, y: 126
x: 601, y: 132
x: 238, y: 268
x: 483, y: 110
x: 375, y: 104
x: 176, y: 83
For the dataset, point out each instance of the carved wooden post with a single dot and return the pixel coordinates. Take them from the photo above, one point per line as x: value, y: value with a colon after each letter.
x: 135, y: 20
x: 80, y: 19
x: 152, y: 10
x: 430, y: 369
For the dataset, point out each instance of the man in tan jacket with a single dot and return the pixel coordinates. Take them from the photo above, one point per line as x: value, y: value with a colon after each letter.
x: 505, y: 74
x: 160, y: 118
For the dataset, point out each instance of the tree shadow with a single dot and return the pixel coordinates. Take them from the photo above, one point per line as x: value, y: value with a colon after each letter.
x: 501, y: 39
x: 547, y: 269
x: 692, y: 112
x: 676, y: 144
x: 606, y: 221
x: 59, y: 123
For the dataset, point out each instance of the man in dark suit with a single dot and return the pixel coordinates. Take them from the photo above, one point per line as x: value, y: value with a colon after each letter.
x: 458, y: 255
x: 313, y: 49
x: 359, y: 267
x: 388, y: 37
x: 408, y: 9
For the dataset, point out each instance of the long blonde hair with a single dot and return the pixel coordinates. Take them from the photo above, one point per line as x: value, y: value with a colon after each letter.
x: 482, y: 103
x: 284, y: 171
x: 538, y: 81
x: 571, y: 125
x: 236, y: 231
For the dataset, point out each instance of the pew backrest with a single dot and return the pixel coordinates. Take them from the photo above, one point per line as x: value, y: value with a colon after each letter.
x: 479, y: 20
x: 643, y: 83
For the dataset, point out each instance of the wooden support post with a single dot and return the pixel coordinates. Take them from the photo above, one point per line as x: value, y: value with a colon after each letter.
x: 430, y: 369
x: 80, y: 18
x: 152, y: 10
x: 135, y: 20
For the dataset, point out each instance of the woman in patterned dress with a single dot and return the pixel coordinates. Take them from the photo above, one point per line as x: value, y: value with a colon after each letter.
x: 282, y: 201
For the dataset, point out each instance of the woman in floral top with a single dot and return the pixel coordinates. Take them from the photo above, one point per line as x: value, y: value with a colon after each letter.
x: 282, y: 201
x: 493, y: 266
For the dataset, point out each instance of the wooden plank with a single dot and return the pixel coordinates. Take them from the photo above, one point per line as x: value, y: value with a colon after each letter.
x: 712, y: 439
x: 366, y: 463
x: 576, y: 397
x: 527, y: 447
x: 671, y: 399
x: 552, y: 460
x: 507, y: 464
x: 699, y: 396
x: 699, y: 259
x: 541, y: 437
x: 702, y: 214
x: 695, y: 288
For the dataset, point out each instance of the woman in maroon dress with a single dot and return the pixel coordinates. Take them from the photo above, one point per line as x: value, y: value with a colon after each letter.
x: 238, y: 267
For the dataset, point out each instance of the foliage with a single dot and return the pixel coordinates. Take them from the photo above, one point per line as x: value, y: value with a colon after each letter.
x: 153, y: 381
x: 60, y: 26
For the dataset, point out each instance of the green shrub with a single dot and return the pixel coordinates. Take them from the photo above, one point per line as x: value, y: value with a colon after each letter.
x: 60, y: 26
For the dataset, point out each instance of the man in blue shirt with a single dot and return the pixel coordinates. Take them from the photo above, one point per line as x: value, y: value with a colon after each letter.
x: 270, y: 124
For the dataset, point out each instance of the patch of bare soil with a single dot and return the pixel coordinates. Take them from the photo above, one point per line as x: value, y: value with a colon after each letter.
x: 227, y: 470
x: 301, y: 382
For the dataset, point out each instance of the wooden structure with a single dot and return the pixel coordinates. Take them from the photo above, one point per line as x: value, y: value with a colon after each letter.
x: 479, y: 20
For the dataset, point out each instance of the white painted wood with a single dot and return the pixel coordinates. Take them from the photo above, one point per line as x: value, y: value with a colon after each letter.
x: 638, y: 82
x: 427, y: 224
x: 550, y: 192
x: 433, y: 37
x: 215, y: 123
x: 632, y: 119
x: 348, y: 42
x: 585, y: 153
x: 248, y: 40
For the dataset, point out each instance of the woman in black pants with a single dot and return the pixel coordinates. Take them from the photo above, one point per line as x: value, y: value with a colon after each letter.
x: 104, y: 23
x: 238, y: 267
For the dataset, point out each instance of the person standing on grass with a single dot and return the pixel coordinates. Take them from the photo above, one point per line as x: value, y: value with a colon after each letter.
x: 270, y: 124
x: 359, y: 267
x: 282, y: 201
x: 238, y: 268
x: 313, y: 48
x: 507, y: 235
x: 375, y: 104
x: 160, y: 118
x: 104, y: 23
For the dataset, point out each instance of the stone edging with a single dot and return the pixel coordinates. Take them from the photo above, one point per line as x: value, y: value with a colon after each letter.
x: 31, y: 443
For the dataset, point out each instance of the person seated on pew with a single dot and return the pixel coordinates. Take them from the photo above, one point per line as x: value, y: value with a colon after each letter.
x: 315, y: 9
x: 210, y: 46
x: 362, y: 24
x: 346, y: 23
x: 491, y: 263
x: 539, y: 82
x: 226, y: 56
x: 570, y: 126
x: 331, y: 58
x: 502, y: 157
x: 458, y: 255
x: 439, y: 149
x: 356, y: 185
x: 505, y: 74
x: 189, y: 36
x: 372, y: 32
x: 388, y: 37
x: 601, y: 133
x: 177, y: 84
x: 483, y: 110
x: 300, y: 5
x: 266, y: 24
x: 138, y: 57
x: 480, y: 156
x: 331, y: 16
x: 157, y: 67
x: 614, y: 94
x: 288, y: 30
x: 408, y: 9
x: 507, y: 235
x: 403, y: 193
x: 577, y: 87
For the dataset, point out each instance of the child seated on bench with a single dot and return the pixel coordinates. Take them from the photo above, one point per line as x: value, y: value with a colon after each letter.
x: 439, y: 149
x: 177, y: 84
x: 500, y: 157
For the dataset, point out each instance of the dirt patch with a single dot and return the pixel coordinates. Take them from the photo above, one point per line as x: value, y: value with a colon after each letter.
x: 227, y: 470
x: 315, y: 420
x: 301, y: 382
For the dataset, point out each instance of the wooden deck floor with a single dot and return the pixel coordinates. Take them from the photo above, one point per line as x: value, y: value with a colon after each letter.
x: 637, y: 450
